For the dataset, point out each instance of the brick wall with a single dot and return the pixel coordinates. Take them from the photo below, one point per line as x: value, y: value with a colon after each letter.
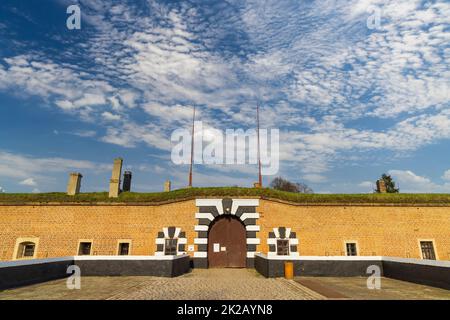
x: 60, y: 227
x: 383, y: 230
x: 321, y: 230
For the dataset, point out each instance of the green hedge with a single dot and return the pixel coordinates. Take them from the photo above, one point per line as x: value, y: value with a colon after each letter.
x: 191, y: 193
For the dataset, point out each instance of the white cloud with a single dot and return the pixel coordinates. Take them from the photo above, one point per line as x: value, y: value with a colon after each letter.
x: 128, y: 98
x: 65, y: 104
x: 90, y: 99
x: 63, y: 85
x: 2, y: 190
x: 85, y: 133
x: 28, y: 182
x: 20, y: 166
x: 175, y: 113
x: 317, y: 79
x: 110, y: 117
x: 130, y: 134
x: 446, y: 175
x: 409, y: 182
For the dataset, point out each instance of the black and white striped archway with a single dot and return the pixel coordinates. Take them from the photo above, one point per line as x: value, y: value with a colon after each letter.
x: 210, y: 209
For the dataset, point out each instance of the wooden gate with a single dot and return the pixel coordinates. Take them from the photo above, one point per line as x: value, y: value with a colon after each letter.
x: 227, y: 247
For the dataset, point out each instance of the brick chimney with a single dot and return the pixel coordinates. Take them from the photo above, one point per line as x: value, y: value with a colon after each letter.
x: 74, y: 185
x: 114, y: 182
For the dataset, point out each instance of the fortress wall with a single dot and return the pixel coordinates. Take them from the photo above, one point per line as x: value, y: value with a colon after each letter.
x: 321, y: 230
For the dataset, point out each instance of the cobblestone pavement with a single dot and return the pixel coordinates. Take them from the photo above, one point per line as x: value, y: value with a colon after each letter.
x: 356, y: 288
x: 208, y: 284
x: 222, y: 284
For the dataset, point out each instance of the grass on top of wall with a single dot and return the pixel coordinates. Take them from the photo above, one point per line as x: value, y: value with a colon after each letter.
x: 191, y: 193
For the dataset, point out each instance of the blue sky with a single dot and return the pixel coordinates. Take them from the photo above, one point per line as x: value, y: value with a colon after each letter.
x: 351, y: 102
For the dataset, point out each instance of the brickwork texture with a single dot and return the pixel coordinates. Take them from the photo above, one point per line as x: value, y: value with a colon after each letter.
x: 321, y: 230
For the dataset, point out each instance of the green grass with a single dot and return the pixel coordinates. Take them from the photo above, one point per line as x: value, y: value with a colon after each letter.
x: 191, y: 193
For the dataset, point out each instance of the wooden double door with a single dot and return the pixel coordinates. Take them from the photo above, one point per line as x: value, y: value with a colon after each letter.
x: 227, y: 243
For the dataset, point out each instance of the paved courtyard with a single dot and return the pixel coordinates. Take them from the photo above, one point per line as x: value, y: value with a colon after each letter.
x: 226, y: 284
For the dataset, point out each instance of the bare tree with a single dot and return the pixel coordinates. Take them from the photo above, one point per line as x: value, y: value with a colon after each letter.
x: 282, y: 184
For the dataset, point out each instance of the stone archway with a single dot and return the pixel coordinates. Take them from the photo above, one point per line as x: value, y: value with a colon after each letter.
x: 227, y: 247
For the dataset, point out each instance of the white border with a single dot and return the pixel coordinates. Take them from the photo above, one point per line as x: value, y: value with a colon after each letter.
x: 204, y: 215
x: 435, y: 263
x: 19, y: 263
x: 164, y: 257
x: 210, y: 203
x: 253, y: 241
x: 200, y: 254
x: 247, y: 215
x: 201, y: 241
x: 252, y: 228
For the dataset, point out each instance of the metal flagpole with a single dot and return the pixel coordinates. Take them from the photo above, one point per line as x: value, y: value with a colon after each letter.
x: 259, y: 151
x: 192, y: 149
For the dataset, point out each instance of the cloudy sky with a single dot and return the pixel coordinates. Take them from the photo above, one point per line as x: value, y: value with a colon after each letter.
x: 352, y: 98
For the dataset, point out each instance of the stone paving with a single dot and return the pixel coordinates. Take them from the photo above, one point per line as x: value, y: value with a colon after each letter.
x: 391, y: 289
x: 220, y: 284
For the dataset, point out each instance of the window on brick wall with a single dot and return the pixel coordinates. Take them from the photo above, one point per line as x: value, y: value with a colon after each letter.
x: 282, y: 247
x: 351, y: 249
x: 85, y: 248
x: 427, y: 250
x: 170, y: 247
x: 124, y: 248
x: 26, y: 250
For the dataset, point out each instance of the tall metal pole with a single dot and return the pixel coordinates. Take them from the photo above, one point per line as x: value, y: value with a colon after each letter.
x: 259, y: 151
x: 192, y: 149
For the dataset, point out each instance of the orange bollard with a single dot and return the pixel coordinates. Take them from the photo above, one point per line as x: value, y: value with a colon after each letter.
x: 289, y: 270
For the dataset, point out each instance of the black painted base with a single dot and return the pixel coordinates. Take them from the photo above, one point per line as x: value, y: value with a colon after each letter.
x: 337, y: 268
x: 200, y: 263
x: 157, y: 268
x: 435, y: 276
x: 26, y: 274
x: 422, y: 274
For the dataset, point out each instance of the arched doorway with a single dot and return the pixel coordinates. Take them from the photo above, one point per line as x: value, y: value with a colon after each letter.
x: 227, y: 243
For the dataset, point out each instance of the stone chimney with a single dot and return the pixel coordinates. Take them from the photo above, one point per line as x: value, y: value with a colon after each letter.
x: 167, y: 186
x: 256, y: 185
x: 114, y: 183
x: 74, y: 185
x: 126, y: 181
x: 381, y: 186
